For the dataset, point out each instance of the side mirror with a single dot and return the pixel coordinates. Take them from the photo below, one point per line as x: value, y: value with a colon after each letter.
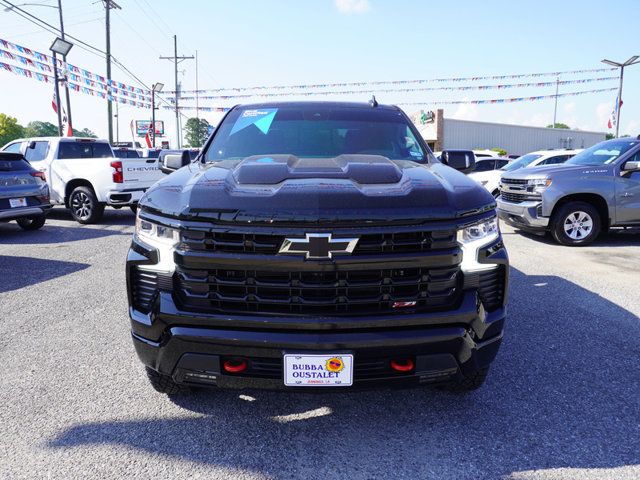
x: 462, y: 160
x: 174, y: 161
x: 631, y: 166
x: 32, y: 144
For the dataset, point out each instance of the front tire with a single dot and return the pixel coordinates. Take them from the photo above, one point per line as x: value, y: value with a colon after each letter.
x: 31, y: 223
x: 84, y: 205
x: 164, y: 383
x: 576, y: 224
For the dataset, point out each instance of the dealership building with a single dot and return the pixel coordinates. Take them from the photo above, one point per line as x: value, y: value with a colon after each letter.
x: 443, y: 133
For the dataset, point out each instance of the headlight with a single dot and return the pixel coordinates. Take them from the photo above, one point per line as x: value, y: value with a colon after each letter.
x: 474, y: 237
x: 154, y: 234
x: 539, y: 184
x: 163, y: 239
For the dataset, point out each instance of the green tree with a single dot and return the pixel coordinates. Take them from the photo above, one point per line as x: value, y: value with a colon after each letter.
x: 196, y: 132
x: 501, y: 151
x: 85, y: 132
x: 560, y: 125
x: 609, y: 136
x: 40, y: 129
x: 10, y: 129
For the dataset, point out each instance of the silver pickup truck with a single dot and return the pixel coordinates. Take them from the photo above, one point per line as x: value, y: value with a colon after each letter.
x: 577, y: 200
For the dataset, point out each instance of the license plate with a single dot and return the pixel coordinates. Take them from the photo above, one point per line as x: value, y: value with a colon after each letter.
x: 17, y: 202
x: 318, y: 370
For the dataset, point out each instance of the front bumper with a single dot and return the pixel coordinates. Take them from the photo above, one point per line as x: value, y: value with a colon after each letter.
x: 524, y: 215
x: 445, y: 346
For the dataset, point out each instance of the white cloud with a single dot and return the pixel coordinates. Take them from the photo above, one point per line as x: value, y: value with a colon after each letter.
x: 603, y: 110
x: 353, y: 6
x: 466, y: 112
x: 633, y: 128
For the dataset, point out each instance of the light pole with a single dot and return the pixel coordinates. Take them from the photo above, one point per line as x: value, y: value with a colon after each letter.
x: 155, y: 88
x: 631, y: 61
x: 62, y: 47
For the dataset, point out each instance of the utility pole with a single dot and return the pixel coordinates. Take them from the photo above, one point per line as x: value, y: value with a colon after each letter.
x: 632, y: 61
x: 176, y: 60
x: 197, y: 95
x: 108, y: 5
x: 64, y: 59
x: 555, y: 109
x: 57, y: 90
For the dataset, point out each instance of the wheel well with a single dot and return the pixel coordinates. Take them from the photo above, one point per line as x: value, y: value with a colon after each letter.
x: 598, y: 202
x: 72, y: 185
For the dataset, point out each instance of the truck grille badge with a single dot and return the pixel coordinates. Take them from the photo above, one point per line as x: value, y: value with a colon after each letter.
x: 318, y: 246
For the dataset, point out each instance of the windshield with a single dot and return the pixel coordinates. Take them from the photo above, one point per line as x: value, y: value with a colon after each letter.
x: 314, y: 131
x: 521, y: 162
x: 601, y: 154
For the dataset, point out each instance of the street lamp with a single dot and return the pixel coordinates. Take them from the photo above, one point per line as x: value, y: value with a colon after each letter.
x: 631, y: 61
x: 155, y: 88
x: 62, y: 47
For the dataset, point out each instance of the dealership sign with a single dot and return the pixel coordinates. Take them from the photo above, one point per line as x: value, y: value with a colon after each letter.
x: 142, y: 127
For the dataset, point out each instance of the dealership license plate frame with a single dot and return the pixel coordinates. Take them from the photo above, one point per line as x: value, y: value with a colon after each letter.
x: 18, y: 202
x: 343, y: 379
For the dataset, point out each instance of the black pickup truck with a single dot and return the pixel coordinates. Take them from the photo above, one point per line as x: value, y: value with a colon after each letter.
x: 316, y: 245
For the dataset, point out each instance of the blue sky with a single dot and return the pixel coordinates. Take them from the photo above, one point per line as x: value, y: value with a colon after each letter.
x: 248, y: 42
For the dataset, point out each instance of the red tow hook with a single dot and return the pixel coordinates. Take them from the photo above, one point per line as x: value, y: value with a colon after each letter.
x: 402, y: 365
x: 234, y: 365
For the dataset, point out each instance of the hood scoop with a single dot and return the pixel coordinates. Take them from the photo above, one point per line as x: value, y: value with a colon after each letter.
x: 274, y: 169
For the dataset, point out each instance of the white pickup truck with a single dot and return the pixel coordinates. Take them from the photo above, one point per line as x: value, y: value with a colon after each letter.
x: 85, y: 176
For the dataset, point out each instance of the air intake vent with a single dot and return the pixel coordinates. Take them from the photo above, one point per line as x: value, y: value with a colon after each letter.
x: 491, y: 288
x: 144, y: 287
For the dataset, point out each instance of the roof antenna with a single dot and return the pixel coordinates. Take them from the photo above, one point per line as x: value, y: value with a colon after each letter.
x: 373, y: 102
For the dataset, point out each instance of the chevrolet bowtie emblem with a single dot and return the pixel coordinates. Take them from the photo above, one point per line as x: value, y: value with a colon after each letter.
x: 318, y: 246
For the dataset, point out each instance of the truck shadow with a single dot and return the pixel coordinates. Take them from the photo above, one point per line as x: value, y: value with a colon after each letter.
x: 563, y: 393
x: 20, y: 272
x: 615, y: 238
x: 112, y: 216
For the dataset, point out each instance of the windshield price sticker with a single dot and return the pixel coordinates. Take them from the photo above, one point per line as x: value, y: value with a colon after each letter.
x: 318, y: 370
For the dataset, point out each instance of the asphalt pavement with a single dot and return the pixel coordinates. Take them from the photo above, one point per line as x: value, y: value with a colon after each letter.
x: 562, y: 400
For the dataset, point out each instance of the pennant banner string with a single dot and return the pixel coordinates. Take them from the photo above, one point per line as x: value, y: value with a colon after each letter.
x: 41, y: 77
x: 387, y: 90
x: 48, y: 60
x: 444, y: 102
x: 396, y: 82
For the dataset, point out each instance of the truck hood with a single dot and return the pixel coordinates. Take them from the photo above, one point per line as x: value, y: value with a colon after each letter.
x: 552, y: 170
x: 287, y: 188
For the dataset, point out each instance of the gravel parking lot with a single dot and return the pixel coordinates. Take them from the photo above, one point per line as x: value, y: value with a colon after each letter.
x: 562, y: 400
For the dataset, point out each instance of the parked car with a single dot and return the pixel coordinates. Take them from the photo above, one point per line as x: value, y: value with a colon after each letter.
x: 316, y: 244
x: 24, y: 194
x: 85, y: 176
x: 597, y: 189
x: 124, y: 152
x: 486, y: 153
x: 491, y: 179
x: 488, y: 164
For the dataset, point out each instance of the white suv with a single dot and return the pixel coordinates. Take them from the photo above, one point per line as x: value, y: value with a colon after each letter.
x: 491, y: 179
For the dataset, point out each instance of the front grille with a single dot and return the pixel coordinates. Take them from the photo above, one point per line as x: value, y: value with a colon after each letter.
x: 269, y: 244
x: 491, y: 288
x: 349, y: 292
x: 144, y: 286
x: 513, y: 181
x: 518, y: 197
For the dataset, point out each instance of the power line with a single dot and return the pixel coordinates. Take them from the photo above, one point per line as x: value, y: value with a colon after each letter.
x: 176, y: 60
x: 79, y: 43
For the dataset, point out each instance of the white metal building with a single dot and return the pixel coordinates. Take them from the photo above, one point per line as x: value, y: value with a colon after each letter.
x: 442, y: 133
